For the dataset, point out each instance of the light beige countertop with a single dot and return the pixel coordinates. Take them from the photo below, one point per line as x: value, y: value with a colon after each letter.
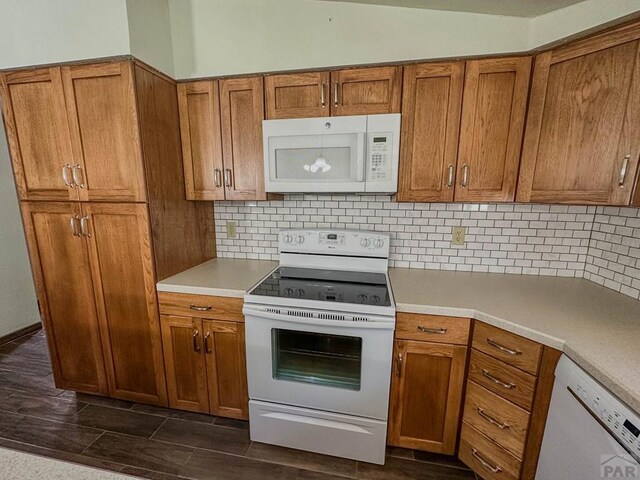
x: 598, y: 328
x: 224, y: 277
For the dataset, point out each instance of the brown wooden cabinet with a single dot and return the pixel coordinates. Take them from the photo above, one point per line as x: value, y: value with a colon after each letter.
x: 297, y: 95
x: 96, y: 260
x: 205, y: 357
x: 462, y: 132
x: 427, y: 381
x: 493, y: 114
x: 221, y: 128
x: 582, y: 139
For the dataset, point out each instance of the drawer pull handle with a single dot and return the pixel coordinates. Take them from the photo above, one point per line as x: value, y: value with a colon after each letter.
x: 510, y: 351
x: 199, y: 308
x: 484, y: 463
x: 196, y: 343
x: 439, y: 331
x: 493, y: 421
x: 509, y: 386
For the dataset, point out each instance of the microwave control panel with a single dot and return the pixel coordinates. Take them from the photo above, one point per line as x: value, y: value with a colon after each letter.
x: 379, y: 156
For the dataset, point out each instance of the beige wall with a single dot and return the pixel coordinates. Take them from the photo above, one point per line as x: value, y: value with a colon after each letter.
x: 18, y: 305
x: 150, y: 33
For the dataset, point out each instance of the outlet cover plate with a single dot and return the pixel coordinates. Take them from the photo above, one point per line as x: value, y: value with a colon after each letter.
x: 457, y: 235
x: 231, y: 229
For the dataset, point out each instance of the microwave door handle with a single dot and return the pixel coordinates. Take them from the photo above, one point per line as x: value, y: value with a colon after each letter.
x: 360, y: 152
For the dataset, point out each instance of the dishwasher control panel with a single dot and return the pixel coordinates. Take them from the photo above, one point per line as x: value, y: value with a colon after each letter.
x: 619, y: 420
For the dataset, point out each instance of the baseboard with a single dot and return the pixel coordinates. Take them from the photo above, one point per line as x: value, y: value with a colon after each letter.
x: 10, y: 337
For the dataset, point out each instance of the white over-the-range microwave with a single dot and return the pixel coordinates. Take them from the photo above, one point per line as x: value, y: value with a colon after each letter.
x: 354, y: 154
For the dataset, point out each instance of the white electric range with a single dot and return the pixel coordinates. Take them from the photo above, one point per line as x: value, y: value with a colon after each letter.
x: 319, y: 336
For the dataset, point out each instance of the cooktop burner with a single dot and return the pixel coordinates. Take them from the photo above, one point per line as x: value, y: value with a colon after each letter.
x: 365, y: 288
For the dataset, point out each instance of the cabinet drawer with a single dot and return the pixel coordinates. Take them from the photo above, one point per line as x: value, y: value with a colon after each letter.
x: 486, y: 458
x: 507, y: 381
x: 497, y: 418
x: 508, y: 347
x: 201, y: 306
x: 433, y: 328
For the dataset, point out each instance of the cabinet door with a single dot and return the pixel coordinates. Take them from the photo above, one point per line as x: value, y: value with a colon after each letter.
x: 242, y: 112
x: 60, y: 263
x: 297, y: 95
x: 226, y: 368
x: 426, y: 395
x: 104, y: 131
x: 124, y: 284
x: 493, y: 114
x: 199, y: 104
x: 582, y: 139
x: 38, y: 134
x: 182, y: 342
x: 431, y: 105
x: 366, y: 91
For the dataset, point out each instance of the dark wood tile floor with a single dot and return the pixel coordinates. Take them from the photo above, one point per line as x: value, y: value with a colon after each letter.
x: 163, y: 444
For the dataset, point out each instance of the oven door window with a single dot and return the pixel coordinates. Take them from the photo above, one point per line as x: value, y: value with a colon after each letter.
x: 318, y: 358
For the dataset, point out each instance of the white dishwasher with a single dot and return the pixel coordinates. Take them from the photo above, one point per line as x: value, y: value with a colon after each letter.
x: 589, y: 433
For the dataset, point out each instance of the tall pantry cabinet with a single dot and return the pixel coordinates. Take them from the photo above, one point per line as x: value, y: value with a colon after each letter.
x: 97, y: 161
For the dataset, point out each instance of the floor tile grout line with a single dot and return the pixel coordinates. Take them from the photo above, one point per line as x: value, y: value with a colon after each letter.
x: 158, y: 429
x: 89, y: 446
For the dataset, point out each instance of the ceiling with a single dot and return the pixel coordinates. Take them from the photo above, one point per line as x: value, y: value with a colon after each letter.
x: 516, y: 8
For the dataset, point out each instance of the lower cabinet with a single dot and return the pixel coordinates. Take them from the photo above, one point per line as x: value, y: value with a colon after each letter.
x: 427, y: 382
x: 204, y: 357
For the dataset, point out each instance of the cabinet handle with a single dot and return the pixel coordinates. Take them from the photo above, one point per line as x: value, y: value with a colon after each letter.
x: 65, y: 175
x: 484, y: 463
x: 74, y: 226
x: 196, y: 343
x: 492, y: 420
x: 335, y: 94
x: 84, y: 226
x: 623, y: 170
x: 322, y: 95
x: 227, y: 178
x: 207, y: 348
x: 465, y: 175
x: 199, y: 308
x: 439, y: 331
x: 450, y: 176
x: 509, y: 351
x: 508, y: 386
x: 399, y: 364
x: 217, y: 177
x: 78, y: 176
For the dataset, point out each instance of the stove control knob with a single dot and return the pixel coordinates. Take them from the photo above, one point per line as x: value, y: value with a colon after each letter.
x: 362, y: 298
x: 300, y: 239
x: 364, y: 243
x: 288, y: 239
x: 288, y: 292
x: 299, y: 292
x: 378, y: 243
x: 375, y: 299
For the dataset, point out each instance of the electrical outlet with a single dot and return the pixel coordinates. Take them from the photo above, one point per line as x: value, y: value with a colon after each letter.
x: 231, y: 229
x: 457, y: 235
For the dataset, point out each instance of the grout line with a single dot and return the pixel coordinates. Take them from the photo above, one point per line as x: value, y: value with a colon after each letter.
x: 159, y: 427
x: 88, y: 446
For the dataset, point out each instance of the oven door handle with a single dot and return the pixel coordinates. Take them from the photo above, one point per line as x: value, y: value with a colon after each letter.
x: 382, y: 324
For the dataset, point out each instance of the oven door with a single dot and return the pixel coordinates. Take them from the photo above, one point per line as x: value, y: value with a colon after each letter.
x: 334, y: 366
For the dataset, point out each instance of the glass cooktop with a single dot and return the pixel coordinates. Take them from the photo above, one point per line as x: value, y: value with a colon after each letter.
x: 326, y: 285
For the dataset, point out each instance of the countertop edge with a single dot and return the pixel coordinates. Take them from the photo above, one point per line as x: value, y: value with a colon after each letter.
x: 216, y: 292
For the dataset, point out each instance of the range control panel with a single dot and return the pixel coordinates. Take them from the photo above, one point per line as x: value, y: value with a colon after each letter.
x: 335, y: 242
x: 613, y: 415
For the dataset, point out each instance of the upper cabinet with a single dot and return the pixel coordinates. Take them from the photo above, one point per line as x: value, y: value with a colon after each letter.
x: 38, y: 134
x: 358, y: 91
x: 297, y: 95
x: 431, y: 105
x: 583, y: 129
x: 462, y: 130
x: 366, y: 91
x: 221, y: 129
x: 493, y: 114
x: 73, y: 133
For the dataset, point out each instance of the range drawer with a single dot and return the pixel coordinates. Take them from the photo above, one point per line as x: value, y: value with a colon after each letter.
x: 485, y: 457
x: 201, y: 306
x: 507, y: 381
x: 433, y: 328
x: 497, y: 418
x: 508, y: 347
